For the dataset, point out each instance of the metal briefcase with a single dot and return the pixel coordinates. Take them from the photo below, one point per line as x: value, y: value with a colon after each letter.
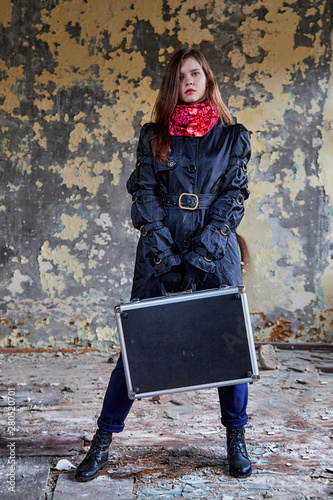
x: 186, y: 341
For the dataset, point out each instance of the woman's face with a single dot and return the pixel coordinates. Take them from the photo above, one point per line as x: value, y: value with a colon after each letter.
x: 192, y: 82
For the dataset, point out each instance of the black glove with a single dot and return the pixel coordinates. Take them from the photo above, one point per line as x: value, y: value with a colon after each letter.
x: 193, y: 276
x: 172, y: 281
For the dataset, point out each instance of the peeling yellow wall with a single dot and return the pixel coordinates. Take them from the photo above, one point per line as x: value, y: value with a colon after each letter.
x: 326, y: 179
x: 78, y: 79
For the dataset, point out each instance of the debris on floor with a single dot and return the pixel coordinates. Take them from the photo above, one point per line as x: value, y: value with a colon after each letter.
x: 64, y: 465
x: 101, y: 487
x: 31, y: 475
x: 172, y: 447
x: 267, y: 357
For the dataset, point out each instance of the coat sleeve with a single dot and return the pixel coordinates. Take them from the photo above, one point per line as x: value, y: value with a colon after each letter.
x: 227, y: 211
x: 147, y: 211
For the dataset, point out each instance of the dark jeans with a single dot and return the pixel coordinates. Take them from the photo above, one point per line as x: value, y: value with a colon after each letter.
x: 116, y: 405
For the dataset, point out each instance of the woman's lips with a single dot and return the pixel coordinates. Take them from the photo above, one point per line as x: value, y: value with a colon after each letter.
x: 189, y: 91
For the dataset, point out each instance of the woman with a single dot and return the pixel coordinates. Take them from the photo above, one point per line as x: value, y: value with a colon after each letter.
x: 188, y: 192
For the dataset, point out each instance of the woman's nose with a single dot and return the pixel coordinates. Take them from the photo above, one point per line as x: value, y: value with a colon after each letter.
x: 189, y: 81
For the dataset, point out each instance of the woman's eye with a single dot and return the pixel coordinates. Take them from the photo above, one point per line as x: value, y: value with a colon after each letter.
x: 181, y: 77
x: 195, y: 73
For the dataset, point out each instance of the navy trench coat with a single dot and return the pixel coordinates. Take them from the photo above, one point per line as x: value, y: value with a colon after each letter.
x: 189, y: 208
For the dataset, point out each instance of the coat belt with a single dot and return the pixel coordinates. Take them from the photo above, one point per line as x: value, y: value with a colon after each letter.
x: 189, y: 201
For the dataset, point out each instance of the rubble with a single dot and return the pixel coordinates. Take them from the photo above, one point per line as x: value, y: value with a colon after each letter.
x: 173, y: 447
x: 64, y: 465
x: 267, y: 357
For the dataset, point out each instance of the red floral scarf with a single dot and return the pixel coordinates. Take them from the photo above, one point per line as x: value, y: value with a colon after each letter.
x: 192, y: 120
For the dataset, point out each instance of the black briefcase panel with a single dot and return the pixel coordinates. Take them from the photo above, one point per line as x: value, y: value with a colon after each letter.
x: 187, y: 341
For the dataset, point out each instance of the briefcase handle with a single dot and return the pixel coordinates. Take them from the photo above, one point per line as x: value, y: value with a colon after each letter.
x: 171, y: 294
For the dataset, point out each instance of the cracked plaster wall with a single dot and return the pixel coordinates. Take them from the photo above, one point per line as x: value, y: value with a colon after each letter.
x: 79, y: 77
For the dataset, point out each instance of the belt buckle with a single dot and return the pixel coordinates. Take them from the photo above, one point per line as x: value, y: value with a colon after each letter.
x: 188, y: 208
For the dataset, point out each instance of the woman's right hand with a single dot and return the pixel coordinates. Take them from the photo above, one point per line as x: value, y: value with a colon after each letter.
x: 173, y: 280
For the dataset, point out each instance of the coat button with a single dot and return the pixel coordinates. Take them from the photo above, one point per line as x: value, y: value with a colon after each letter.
x: 186, y: 244
x: 191, y: 169
x: 172, y: 163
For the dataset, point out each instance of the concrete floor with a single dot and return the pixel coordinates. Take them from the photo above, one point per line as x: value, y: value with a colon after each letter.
x: 171, y: 448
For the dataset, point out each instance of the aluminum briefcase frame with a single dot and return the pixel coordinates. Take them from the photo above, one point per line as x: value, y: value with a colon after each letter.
x: 187, y: 341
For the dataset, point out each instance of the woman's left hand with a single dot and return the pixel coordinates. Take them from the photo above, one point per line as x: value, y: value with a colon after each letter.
x: 193, y: 276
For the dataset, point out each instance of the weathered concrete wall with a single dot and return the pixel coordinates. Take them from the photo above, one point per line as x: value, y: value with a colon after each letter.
x: 79, y: 77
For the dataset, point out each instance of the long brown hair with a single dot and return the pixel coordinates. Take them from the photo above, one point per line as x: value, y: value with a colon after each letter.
x: 168, y: 96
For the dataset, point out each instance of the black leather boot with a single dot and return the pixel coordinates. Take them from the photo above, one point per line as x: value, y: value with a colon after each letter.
x: 239, y: 463
x: 96, y: 458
